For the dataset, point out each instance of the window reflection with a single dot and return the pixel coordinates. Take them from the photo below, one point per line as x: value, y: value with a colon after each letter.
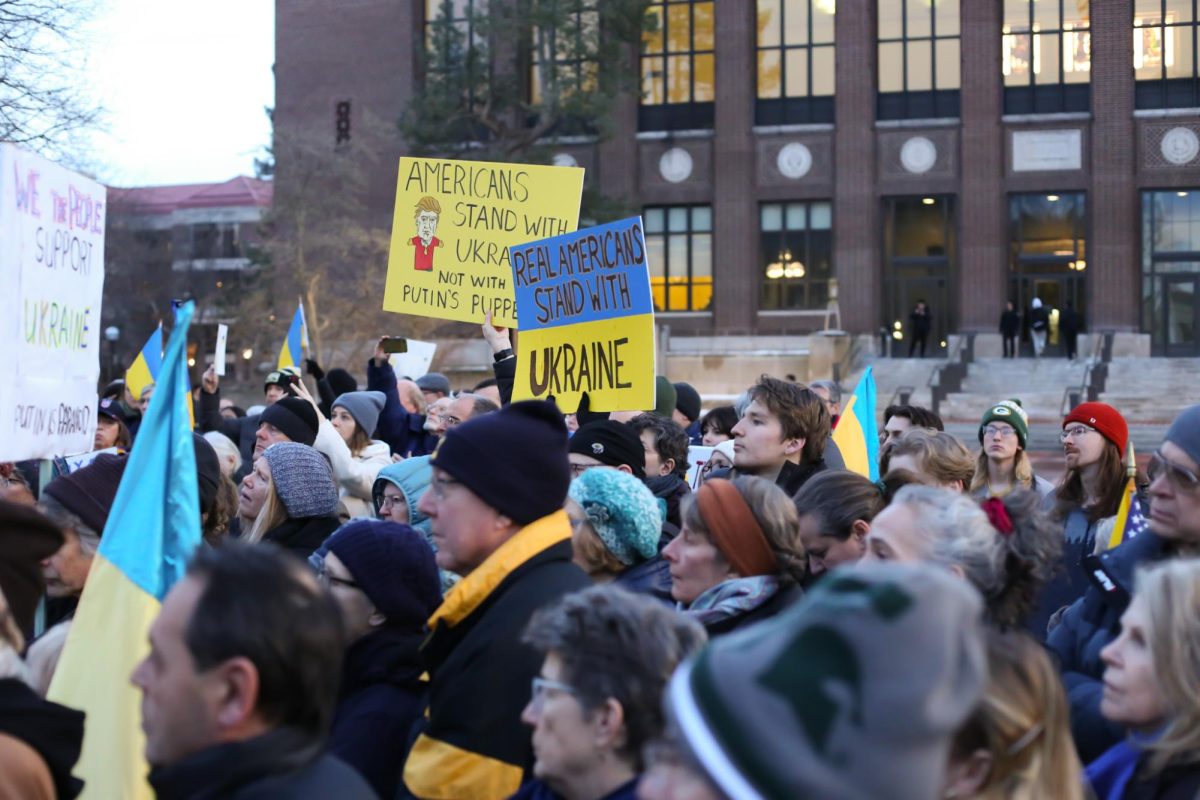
x: 795, y: 60
x: 795, y: 255
x: 679, y: 246
x: 919, y: 58
x: 677, y: 53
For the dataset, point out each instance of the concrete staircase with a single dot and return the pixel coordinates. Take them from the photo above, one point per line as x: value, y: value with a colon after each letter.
x: 892, y: 374
x: 1152, y: 390
x: 1038, y: 383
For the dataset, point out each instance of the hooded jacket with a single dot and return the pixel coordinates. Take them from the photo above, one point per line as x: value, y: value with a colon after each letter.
x: 411, y: 476
x: 472, y: 742
x: 54, y: 733
x: 382, y: 696
x: 355, y: 475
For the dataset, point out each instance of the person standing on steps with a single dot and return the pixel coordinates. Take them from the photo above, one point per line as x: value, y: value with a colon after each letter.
x: 1070, y: 325
x: 919, y: 322
x: 1010, y: 329
x: 1039, y: 325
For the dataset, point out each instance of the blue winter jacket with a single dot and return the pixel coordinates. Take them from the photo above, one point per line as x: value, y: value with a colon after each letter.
x: 404, y: 432
x: 1088, y: 625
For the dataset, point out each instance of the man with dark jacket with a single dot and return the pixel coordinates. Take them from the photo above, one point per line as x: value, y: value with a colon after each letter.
x: 1094, y: 620
x: 243, y: 431
x: 1010, y: 327
x: 240, y: 684
x: 403, y: 431
x: 781, y: 436
x: 384, y: 578
x: 505, y: 532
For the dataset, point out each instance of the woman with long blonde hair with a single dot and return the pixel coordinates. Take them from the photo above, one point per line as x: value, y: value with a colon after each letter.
x: 1017, y: 745
x: 1003, y: 464
x: 289, y: 498
x: 1152, y: 688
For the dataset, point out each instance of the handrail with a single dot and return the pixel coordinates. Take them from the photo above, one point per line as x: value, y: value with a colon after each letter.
x: 1085, y: 383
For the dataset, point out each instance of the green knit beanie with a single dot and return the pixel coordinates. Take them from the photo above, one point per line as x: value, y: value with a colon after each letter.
x: 1009, y: 411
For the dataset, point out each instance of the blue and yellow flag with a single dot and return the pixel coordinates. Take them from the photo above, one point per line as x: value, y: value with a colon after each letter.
x: 144, y: 369
x: 857, y: 432
x: 151, y: 533
x: 296, y: 342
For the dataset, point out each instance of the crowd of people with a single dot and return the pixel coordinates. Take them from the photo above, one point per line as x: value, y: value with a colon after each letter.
x: 410, y: 592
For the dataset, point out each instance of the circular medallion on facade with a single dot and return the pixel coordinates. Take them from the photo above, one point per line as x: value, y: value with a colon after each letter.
x: 565, y: 160
x: 675, y: 165
x: 1180, y: 145
x: 918, y: 155
x: 794, y: 160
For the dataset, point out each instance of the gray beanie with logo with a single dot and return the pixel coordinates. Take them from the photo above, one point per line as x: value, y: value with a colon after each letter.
x: 855, y: 692
x: 303, y: 480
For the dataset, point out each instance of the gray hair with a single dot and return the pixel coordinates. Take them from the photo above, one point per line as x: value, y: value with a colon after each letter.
x: 89, y: 540
x: 1008, y: 569
x: 226, y: 449
x: 835, y: 391
x: 618, y: 645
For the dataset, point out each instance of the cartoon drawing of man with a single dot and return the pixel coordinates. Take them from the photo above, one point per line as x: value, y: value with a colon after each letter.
x: 427, y: 213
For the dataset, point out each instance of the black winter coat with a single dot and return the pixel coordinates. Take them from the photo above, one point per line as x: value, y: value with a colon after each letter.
x: 54, y: 731
x: 1087, y: 626
x: 404, y: 432
x: 283, y: 763
x: 790, y: 479
x: 473, y: 743
x: 382, y: 697
x: 1010, y: 324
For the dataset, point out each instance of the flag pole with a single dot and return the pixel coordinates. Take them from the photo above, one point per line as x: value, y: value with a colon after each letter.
x: 1130, y: 462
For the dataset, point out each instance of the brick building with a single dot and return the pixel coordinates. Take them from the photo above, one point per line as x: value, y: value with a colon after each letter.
x: 961, y: 152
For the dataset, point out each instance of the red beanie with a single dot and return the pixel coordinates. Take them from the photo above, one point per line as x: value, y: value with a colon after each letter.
x: 1104, y: 418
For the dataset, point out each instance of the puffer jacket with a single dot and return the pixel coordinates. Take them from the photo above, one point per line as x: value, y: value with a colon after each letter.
x: 1088, y: 625
x: 412, y: 477
x: 355, y: 475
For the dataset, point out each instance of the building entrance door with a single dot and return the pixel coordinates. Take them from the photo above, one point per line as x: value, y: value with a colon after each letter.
x: 1181, y: 314
x: 1055, y: 291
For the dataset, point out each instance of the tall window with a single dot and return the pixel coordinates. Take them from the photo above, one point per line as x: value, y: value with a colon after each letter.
x: 561, y: 61
x: 1048, y: 253
x: 679, y: 246
x: 919, y: 62
x: 1047, y: 56
x: 919, y: 247
x: 795, y: 62
x: 678, y: 66
x: 1164, y: 54
x: 1171, y: 271
x: 795, y: 254
x: 454, y: 47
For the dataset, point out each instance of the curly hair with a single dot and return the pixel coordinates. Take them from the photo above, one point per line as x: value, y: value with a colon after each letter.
x: 616, y: 645
x: 1008, y: 569
x: 776, y: 516
x: 670, y: 440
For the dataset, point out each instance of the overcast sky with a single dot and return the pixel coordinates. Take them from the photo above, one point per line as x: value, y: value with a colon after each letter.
x: 183, y: 86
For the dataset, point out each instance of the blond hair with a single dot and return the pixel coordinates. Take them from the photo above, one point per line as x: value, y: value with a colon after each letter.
x: 1023, y: 722
x: 272, y: 514
x: 429, y: 204
x: 1171, y: 592
x: 939, y: 455
x: 1022, y: 471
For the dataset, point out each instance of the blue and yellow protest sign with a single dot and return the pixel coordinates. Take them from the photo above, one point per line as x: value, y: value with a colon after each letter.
x: 454, y: 224
x: 586, y: 318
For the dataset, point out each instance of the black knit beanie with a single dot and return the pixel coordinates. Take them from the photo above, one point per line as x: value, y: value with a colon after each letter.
x: 687, y: 401
x: 89, y: 491
x: 295, y: 419
x: 514, y: 459
x: 611, y: 443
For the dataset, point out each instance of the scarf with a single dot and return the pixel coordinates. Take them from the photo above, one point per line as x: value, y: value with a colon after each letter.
x: 733, y: 598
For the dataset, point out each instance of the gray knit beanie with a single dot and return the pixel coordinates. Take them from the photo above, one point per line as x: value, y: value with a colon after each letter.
x: 365, y: 407
x: 303, y: 480
x: 1184, y: 433
x: 855, y: 692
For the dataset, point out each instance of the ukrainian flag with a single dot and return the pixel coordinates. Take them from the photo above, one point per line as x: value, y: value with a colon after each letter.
x: 144, y: 369
x: 151, y: 533
x: 297, y: 340
x: 857, y: 432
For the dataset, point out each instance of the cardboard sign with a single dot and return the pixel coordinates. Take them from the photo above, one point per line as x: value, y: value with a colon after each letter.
x: 219, y: 355
x: 52, y: 262
x: 416, y: 362
x: 453, y: 226
x: 586, y: 319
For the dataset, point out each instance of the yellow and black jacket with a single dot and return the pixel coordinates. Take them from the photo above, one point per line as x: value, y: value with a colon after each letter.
x: 473, y: 744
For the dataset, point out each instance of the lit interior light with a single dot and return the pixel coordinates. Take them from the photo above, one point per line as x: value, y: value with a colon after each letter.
x: 928, y: 201
x: 1181, y: 194
x: 896, y: 325
x: 1053, y: 198
x: 191, y: 362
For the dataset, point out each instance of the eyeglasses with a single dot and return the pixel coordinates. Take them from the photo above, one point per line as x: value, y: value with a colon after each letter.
x: 1075, y: 433
x: 332, y: 580
x: 996, y: 430
x: 541, y: 686
x: 439, y: 486
x: 1181, y: 478
x: 390, y: 500
x: 579, y: 469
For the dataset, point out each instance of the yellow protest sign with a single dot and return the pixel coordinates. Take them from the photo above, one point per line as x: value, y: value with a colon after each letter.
x: 587, y: 319
x: 454, y: 223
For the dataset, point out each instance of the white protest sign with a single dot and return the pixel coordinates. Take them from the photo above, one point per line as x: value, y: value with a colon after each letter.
x: 697, y: 457
x: 52, y: 263
x: 219, y: 356
x: 416, y: 362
